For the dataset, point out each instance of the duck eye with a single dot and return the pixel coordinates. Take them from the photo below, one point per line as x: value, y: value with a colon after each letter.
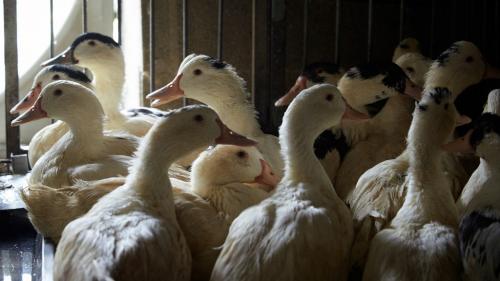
x: 469, y: 59
x: 91, y: 43
x: 410, y: 69
x: 198, y: 118
x: 197, y: 72
x: 241, y: 154
x: 329, y: 97
x: 58, y: 92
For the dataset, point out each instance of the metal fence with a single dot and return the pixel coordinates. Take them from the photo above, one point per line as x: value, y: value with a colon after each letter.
x: 288, y: 34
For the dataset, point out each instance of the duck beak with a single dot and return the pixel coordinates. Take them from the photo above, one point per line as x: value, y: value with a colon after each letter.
x: 229, y: 137
x: 167, y: 93
x: 351, y: 113
x: 267, y: 176
x: 462, y: 120
x: 66, y: 57
x: 28, y: 100
x: 491, y: 72
x: 413, y: 90
x: 34, y: 113
x: 300, y: 85
x: 461, y: 145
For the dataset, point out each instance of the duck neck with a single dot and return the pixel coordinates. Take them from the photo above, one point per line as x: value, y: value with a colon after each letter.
x: 301, y: 164
x: 109, y: 79
x: 86, y: 132
x: 395, y: 117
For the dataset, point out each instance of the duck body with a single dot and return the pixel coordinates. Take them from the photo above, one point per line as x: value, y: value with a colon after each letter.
x: 301, y: 219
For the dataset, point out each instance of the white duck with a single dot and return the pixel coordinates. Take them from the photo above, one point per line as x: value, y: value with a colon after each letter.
x: 415, y: 65
x: 84, y: 153
x: 380, y: 191
x: 421, y: 241
x: 104, y: 58
x: 219, y: 196
x: 217, y: 84
x: 44, y: 139
x: 139, y: 237
x: 407, y: 45
x: 304, y: 218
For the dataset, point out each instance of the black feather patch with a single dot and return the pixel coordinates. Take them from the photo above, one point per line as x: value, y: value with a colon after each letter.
x: 444, y: 57
x: 439, y: 93
x: 134, y: 112
x: 487, y: 123
x: 364, y: 71
x: 395, y: 77
x: 375, y: 107
x: 473, y: 223
x: 94, y: 36
x: 471, y: 102
x: 312, y: 71
x: 328, y: 141
x: 216, y: 63
x: 404, y: 46
x: 70, y: 71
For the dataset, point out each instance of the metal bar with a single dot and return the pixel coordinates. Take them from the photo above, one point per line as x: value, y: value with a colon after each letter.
x: 220, y: 27
x: 338, y: 9
x: 370, y: 29
x: 120, y: 18
x: 497, y: 31
x: 433, y: 25
x: 185, y: 38
x: 152, y: 45
x: 11, y: 75
x: 51, y: 9
x: 401, y: 19
x: 85, y: 19
x: 306, y: 34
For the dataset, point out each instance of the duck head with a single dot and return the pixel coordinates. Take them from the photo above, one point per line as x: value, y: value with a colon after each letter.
x: 407, y: 45
x: 64, y: 100
x: 314, y: 73
x: 368, y: 87
x: 415, y: 66
x: 204, y: 79
x: 226, y: 164
x: 47, y: 75
x: 89, y: 50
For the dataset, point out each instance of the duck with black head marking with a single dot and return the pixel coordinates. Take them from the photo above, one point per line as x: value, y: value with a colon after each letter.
x: 46, y: 137
x: 104, y: 58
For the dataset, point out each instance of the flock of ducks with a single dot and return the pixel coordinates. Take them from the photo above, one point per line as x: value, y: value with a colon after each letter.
x: 379, y: 172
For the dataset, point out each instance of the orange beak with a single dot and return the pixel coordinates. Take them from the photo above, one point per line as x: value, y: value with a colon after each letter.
x: 413, y: 90
x: 267, y: 176
x: 168, y: 93
x: 300, y: 85
x: 229, y: 137
x: 34, y: 113
x: 28, y: 100
x: 460, y: 145
x: 462, y: 120
x: 66, y: 57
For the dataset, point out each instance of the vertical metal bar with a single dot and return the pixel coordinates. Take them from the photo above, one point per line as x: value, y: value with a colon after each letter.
x: 220, y: 27
x: 85, y: 19
x: 185, y: 38
x: 401, y: 19
x: 433, y: 25
x: 370, y: 29
x: 11, y: 75
x: 120, y: 17
x: 306, y: 34
x: 484, y: 25
x: 51, y: 10
x: 497, y: 31
x: 152, y: 45
x: 338, y: 9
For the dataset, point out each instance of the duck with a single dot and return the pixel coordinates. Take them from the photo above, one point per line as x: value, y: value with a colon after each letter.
x: 217, y: 84
x: 221, y: 188
x: 312, y: 74
x: 84, y: 153
x: 415, y: 65
x: 380, y: 191
x: 104, y: 58
x: 303, y: 217
x: 45, y: 138
x: 136, y: 223
x: 407, y: 45
x: 424, y: 230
